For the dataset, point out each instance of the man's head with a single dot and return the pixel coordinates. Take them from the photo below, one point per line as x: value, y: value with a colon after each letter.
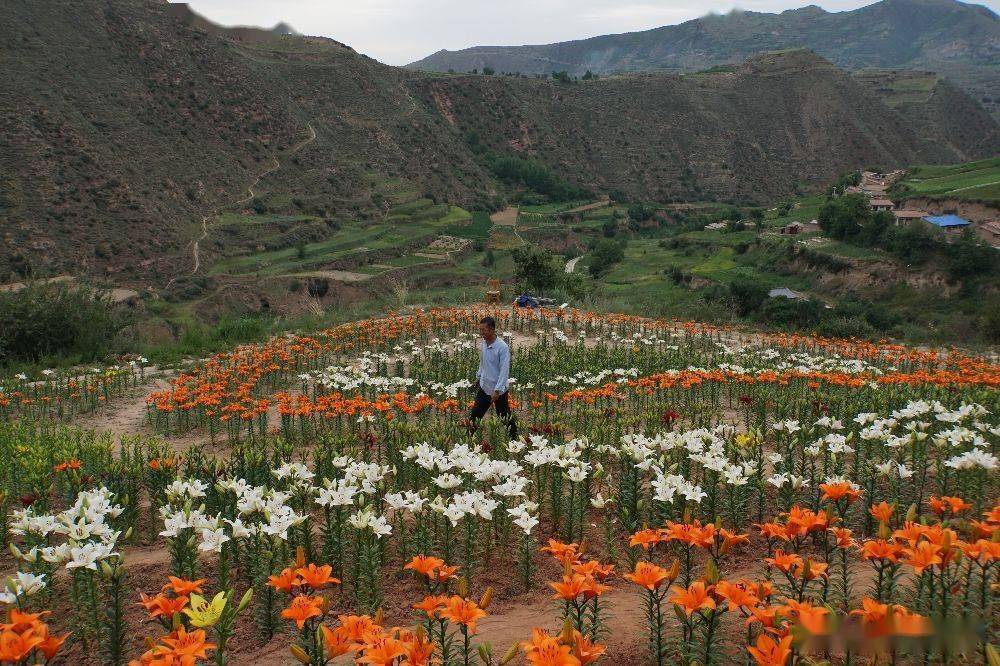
x: 488, y: 328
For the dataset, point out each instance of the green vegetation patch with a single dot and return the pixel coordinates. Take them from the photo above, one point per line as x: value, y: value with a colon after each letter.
x: 972, y: 180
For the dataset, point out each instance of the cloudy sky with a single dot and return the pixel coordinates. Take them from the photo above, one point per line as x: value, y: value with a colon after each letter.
x: 401, y: 31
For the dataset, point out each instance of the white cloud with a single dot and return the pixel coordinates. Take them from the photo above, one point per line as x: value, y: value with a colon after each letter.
x: 401, y: 31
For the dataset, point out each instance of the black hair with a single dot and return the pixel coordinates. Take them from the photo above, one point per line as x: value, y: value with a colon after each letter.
x: 489, y: 321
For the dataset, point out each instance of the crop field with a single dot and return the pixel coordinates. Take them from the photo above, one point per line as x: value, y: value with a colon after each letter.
x: 972, y: 180
x: 676, y: 493
x: 407, y: 227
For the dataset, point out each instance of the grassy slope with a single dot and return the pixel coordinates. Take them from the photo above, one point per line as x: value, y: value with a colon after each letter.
x: 973, y: 181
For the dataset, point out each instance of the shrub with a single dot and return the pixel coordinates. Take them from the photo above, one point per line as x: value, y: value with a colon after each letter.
x: 606, y: 253
x: 45, y: 320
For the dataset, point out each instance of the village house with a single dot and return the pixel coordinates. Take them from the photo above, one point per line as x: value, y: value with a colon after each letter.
x: 908, y: 215
x: 881, y: 204
x: 950, y: 224
x: 784, y: 292
x: 795, y: 228
x: 991, y: 232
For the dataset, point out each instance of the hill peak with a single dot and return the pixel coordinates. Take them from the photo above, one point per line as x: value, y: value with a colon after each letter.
x: 949, y: 37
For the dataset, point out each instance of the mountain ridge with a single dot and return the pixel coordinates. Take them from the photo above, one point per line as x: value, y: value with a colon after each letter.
x: 958, y: 40
x: 127, y: 125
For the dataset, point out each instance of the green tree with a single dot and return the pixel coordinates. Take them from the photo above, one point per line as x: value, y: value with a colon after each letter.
x: 536, y: 268
x: 843, y: 217
x: 605, y: 254
x: 747, y: 296
x: 640, y: 213
x: 72, y: 321
x: 967, y: 256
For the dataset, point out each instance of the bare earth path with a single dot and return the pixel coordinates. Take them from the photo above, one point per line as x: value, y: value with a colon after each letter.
x: 591, y: 206
x: 571, y: 264
x: 250, y: 195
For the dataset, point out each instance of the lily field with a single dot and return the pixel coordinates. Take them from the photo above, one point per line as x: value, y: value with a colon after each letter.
x: 679, y: 493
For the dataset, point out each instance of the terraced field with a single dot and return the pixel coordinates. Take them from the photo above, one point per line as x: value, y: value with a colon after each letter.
x: 972, y: 181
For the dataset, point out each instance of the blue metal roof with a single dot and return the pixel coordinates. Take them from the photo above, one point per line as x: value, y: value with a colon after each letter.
x: 946, y: 220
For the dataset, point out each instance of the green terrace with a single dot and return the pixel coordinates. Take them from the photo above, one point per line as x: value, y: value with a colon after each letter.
x: 972, y: 180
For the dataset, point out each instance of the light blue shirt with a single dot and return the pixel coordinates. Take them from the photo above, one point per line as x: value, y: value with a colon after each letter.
x: 494, y: 366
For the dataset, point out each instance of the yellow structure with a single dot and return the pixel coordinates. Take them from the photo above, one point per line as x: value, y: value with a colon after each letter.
x: 493, y: 291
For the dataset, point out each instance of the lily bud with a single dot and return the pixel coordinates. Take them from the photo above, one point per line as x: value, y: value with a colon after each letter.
x: 484, y: 653
x: 487, y: 597
x: 463, y: 586
x: 300, y: 556
x: 711, y: 573
x: 583, y: 545
x: 510, y: 654
x: 566, y: 638
x: 911, y: 513
x: 674, y: 571
x: 379, y: 618
x: 245, y: 601
x: 299, y: 654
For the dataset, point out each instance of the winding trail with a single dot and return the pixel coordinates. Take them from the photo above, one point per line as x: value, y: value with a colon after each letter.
x: 250, y: 195
x: 600, y: 203
x: 571, y: 264
x: 508, y: 218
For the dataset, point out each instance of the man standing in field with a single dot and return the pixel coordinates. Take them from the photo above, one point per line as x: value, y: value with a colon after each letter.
x: 493, y: 376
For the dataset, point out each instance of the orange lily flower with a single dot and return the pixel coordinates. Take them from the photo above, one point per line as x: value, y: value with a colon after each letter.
x: 382, y: 651
x: 462, y: 611
x: 839, y: 490
x: 881, y: 512
x: 737, y: 595
x: 14, y: 646
x: 645, y: 538
x: 284, y: 581
x: 431, y: 604
x: 648, y: 575
x: 585, y: 651
x: 768, y: 652
x: 880, y: 549
x: 188, y: 645
x: 183, y: 587
x: 545, y: 650
x: 162, y: 606
x: 809, y: 617
x: 424, y: 564
x: 925, y: 554
x: 564, y: 552
x: 303, y: 608
x: 336, y: 642
x: 693, y: 598
x: 317, y: 577
x: 784, y: 562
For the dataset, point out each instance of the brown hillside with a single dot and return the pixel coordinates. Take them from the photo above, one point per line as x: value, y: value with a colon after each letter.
x: 124, y: 125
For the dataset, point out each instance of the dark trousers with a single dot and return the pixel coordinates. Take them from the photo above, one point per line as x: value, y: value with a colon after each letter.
x: 502, y: 407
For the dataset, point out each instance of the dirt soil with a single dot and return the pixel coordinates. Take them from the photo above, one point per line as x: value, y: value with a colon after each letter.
x: 513, y: 614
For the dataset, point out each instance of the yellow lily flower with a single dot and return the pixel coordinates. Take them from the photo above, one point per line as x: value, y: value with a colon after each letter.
x: 205, y: 614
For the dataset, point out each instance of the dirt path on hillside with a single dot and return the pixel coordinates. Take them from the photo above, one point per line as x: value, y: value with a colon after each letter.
x: 591, y: 206
x: 276, y: 164
x: 508, y: 218
x: 571, y: 264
